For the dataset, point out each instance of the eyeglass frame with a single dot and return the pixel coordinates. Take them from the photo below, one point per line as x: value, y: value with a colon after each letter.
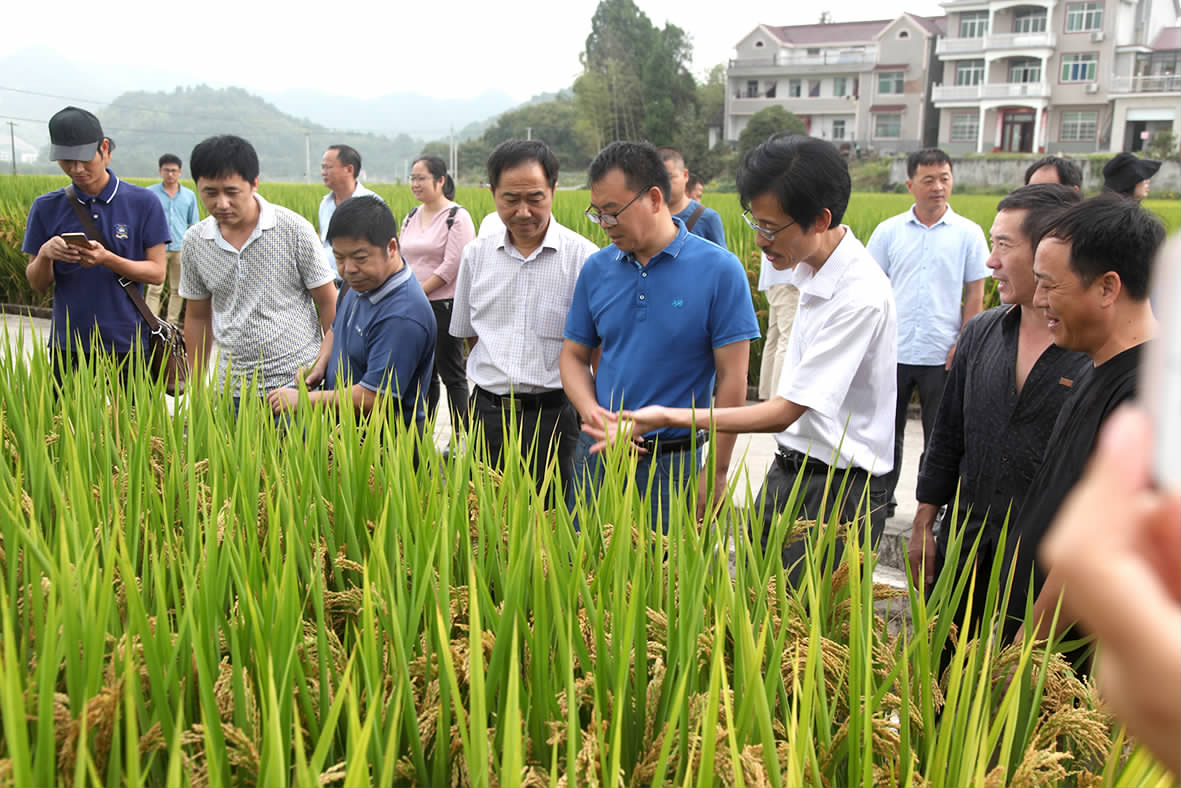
x: 763, y: 231
x: 601, y: 218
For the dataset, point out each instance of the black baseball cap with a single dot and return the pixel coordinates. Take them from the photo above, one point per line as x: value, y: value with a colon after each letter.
x: 74, y: 135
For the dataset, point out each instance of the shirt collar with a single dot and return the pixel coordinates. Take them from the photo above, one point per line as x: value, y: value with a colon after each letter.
x: 948, y: 216
x: 266, y: 221
x: 823, y: 283
x: 106, y: 195
x: 392, y: 283
x: 550, y: 241
x: 673, y: 250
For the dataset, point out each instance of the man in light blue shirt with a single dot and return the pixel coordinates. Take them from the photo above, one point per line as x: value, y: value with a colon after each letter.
x: 935, y: 260
x: 340, y: 168
x: 180, y: 210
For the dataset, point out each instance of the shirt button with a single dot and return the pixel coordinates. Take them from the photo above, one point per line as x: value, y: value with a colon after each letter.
x: 641, y: 297
x: 645, y: 274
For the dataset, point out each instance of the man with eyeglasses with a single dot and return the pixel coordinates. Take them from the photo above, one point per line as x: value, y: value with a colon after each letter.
x: 340, y: 169
x: 834, y: 409
x: 180, y: 209
x: 671, y: 312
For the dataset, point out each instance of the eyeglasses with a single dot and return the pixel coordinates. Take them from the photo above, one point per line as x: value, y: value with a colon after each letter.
x: 420, y: 178
x: 763, y: 231
x: 612, y: 219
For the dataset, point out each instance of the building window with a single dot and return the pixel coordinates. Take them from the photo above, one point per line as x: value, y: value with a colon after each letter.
x: 813, y: 88
x: 813, y: 51
x: 758, y: 44
x: 793, y: 88
x: 1079, y: 68
x: 1025, y: 71
x: 838, y: 129
x: 969, y: 72
x: 1081, y: 17
x: 840, y: 86
x: 890, y: 82
x: 752, y: 88
x: 1029, y: 20
x: 1079, y: 126
x: 965, y: 126
x: 974, y: 24
x: 904, y: 34
x: 887, y: 125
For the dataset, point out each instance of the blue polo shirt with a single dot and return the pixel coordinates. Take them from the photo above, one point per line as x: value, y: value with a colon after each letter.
x: 659, y: 324
x: 132, y: 221
x: 385, y: 339
x: 709, y: 226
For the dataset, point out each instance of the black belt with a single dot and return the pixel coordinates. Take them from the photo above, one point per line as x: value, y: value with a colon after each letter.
x: 791, y: 462
x: 519, y: 401
x: 659, y: 445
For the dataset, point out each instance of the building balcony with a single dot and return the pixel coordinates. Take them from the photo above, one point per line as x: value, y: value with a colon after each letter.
x: 990, y: 90
x: 995, y: 41
x: 1161, y: 83
x: 802, y: 64
x: 827, y: 105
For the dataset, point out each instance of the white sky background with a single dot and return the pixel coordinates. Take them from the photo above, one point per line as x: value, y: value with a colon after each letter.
x: 452, y: 49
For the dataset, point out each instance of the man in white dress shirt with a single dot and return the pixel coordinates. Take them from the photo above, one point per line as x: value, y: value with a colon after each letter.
x: 834, y: 408
x: 511, y: 297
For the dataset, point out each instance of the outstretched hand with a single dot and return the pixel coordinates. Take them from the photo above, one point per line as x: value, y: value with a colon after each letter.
x: 628, y: 426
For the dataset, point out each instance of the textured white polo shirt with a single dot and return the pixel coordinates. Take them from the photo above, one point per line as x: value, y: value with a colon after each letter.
x: 264, y: 318
x: 842, y: 362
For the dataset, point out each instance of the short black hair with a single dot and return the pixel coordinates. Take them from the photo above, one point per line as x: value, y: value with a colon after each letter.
x: 669, y: 153
x: 514, y: 153
x: 806, y: 175
x: 348, y: 157
x: 170, y: 158
x: 222, y: 156
x: 1042, y: 203
x: 366, y: 217
x: 1108, y: 233
x: 438, y: 170
x: 1069, y: 173
x: 925, y: 157
x: 693, y: 181
x: 639, y: 162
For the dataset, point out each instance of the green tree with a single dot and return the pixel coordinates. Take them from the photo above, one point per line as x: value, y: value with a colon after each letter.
x: 766, y: 122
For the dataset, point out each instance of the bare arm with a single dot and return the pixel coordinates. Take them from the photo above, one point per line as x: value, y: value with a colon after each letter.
x: 920, y: 549
x: 150, y: 270
x: 325, y: 298
x: 433, y: 283
x: 731, y: 362
x: 575, y: 366
x: 39, y: 271
x: 198, y: 335
x: 358, y: 397
x: 973, y: 305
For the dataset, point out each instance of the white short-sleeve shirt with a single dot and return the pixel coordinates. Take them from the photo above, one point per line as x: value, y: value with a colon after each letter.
x: 842, y: 362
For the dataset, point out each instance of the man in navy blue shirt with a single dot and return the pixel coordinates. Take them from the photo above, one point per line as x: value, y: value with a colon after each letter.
x: 86, y: 277
x: 671, y: 312
x: 698, y: 219
x: 382, y: 342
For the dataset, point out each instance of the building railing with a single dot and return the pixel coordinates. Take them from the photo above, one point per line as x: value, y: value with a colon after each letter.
x: 823, y: 59
x: 1157, y: 83
x: 960, y: 46
x: 990, y: 90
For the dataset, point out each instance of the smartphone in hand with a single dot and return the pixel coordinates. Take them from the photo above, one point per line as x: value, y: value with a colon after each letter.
x: 76, y: 239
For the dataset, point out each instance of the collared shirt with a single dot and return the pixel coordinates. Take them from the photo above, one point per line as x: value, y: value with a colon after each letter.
x: 928, y: 268
x: 384, y: 340
x: 989, y: 440
x: 659, y: 324
x: 264, y: 318
x: 180, y: 211
x: 842, y: 362
x: 436, y: 249
x: 708, y: 225
x: 517, y: 307
x: 327, y: 208
x: 90, y: 299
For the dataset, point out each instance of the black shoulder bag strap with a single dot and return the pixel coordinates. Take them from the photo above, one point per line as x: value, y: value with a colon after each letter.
x: 693, y: 217
x: 128, y: 286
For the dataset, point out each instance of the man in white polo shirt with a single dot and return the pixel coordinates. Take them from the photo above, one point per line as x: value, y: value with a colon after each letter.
x: 834, y: 409
x: 340, y: 169
x: 935, y: 260
x: 253, y: 275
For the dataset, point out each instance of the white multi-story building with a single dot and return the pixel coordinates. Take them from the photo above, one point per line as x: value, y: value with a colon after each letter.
x: 862, y: 85
x: 1057, y: 76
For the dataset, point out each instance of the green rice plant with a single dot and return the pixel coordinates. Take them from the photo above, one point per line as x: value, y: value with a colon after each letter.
x: 189, y: 599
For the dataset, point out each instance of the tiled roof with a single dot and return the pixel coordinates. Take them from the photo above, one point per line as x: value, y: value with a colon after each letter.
x: 848, y: 32
x: 1168, y: 38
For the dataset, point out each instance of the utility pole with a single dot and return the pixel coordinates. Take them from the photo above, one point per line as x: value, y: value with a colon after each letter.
x: 528, y: 132
x: 307, y: 157
x: 453, y: 155
x: 12, y: 143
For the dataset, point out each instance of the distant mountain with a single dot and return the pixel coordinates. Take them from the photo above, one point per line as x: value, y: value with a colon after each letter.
x: 395, y: 113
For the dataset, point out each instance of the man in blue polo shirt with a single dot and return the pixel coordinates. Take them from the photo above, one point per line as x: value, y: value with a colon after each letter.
x: 86, y: 277
x: 671, y: 312
x: 382, y: 342
x: 698, y: 219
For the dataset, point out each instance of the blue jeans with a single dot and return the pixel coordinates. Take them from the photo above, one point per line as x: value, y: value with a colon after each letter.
x: 667, y: 472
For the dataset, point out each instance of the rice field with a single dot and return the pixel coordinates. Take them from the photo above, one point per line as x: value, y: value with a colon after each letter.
x: 190, y: 600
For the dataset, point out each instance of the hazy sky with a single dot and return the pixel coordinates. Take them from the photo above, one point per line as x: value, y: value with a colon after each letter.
x: 448, y: 49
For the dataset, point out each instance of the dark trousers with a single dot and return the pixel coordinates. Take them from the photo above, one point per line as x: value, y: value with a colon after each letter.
x: 929, y: 380
x: 449, y: 365
x: 776, y: 492
x: 550, y: 420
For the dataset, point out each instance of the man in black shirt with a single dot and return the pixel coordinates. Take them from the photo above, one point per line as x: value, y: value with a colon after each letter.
x: 1092, y: 269
x: 1004, y: 390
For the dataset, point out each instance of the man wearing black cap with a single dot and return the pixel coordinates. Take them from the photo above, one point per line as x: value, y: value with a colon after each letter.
x: 1128, y: 175
x: 86, y: 276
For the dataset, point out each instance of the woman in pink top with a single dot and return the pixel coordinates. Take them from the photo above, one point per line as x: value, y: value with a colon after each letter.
x: 433, y: 237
